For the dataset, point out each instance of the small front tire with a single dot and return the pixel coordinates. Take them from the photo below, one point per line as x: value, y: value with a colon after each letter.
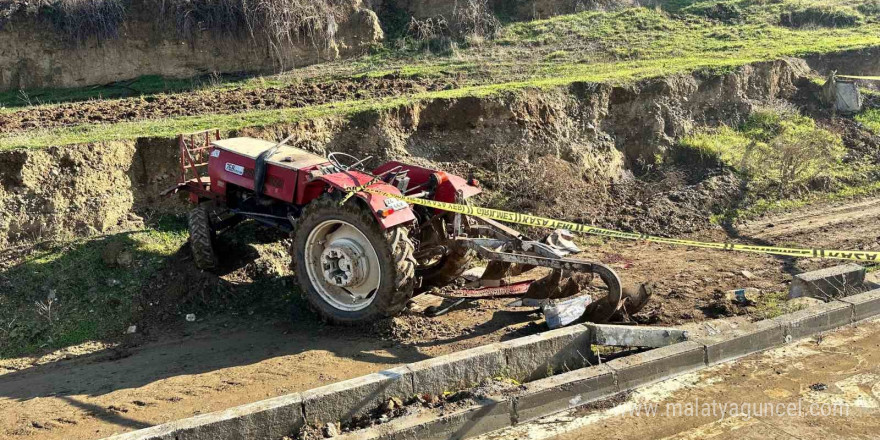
x: 201, y: 238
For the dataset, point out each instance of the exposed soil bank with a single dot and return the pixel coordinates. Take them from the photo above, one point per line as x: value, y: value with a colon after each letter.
x: 582, y: 136
x: 34, y: 55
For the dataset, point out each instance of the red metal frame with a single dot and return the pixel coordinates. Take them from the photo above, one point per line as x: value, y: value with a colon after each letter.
x: 194, y: 157
x: 204, y: 175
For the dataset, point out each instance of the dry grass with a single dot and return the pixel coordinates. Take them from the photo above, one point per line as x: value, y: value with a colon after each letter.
x: 80, y: 20
x: 279, y: 23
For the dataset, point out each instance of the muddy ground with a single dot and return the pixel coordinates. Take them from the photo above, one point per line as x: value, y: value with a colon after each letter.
x: 172, y: 368
x: 215, y: 102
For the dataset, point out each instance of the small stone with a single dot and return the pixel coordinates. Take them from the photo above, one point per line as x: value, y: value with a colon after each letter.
x: 818, y: 387
x: 111, y: 252
x: 131, y: 329
x: 748, y: 275
x: 331, y: 430
x: 124, y: 259
x: 388, y: 407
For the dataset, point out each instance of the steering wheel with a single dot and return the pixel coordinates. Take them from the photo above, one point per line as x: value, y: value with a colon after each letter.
x: 339, y: 161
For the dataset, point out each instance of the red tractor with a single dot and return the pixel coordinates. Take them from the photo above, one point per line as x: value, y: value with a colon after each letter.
x: 358, y: 256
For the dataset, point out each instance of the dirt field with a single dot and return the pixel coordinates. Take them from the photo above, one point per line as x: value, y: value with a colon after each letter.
x: 217, y: 102
x: 94, y: 390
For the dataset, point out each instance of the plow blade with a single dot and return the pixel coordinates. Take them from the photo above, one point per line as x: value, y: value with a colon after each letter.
x: 569, y: 278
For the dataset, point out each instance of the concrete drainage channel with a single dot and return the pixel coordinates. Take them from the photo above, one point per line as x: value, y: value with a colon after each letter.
x: 530, y: 359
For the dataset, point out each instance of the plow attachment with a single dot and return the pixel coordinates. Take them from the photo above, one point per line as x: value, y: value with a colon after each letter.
x: 567, y: 294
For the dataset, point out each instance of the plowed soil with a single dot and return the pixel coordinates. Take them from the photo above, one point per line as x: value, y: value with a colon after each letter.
x: 213, y: 102
x: 179, y: 370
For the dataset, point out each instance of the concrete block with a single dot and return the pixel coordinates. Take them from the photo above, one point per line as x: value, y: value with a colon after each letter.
x: 633, y: 336
x: 488, y: 415
x: 815, y: 319
x: 657, y: 364
x: 354, y: 397
x: 865, y: 305
x: 458, y: 370
x: 748, y: 338
x: 827, y: 283
x: 268, y: 419
x: 537, y: 356
x: 562, y: 392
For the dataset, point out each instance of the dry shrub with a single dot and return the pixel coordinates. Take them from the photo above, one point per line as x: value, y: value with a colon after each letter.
x: 278, y: 23
x: 428, y: 29
x: 474, y: 19
x: 431, y: 34
x: 80, y: 20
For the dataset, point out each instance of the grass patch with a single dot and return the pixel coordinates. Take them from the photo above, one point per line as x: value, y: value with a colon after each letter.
x: 65, y: 294
x: 770, y: 305
x: 776, y: 149
x: 871, y: 119
x: 786, y: 160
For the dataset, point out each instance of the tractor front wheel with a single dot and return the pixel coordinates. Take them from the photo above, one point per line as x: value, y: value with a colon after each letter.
x: 201, y: 237
x: 350, y: 270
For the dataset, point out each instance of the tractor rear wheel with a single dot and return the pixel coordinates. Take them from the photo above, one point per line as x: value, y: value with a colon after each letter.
x: 201, y: 237
x: 350, y: 270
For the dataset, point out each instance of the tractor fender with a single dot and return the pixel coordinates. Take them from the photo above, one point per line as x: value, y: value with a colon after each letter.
x: 388, y: 212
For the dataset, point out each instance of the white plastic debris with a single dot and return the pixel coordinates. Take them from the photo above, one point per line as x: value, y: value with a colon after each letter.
x: 563, y: 239
x: 191, y: 317
x: 131, y: 329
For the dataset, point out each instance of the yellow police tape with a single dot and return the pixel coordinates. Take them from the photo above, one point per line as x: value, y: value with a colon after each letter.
x: 872, y: 78
x: 542, y: 222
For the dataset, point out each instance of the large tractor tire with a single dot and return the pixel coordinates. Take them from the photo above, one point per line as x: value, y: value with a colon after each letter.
x: 201, y: 238
x: 350, y: 270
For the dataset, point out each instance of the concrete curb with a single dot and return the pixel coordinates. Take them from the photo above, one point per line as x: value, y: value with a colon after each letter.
x: 270, y: 418
x: 660, y: 363
x: 827, y: 283
x: 532, y: 358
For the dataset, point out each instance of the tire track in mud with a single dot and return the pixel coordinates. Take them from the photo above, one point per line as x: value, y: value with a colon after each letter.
x: 799, y: 223
x: 213, y: 102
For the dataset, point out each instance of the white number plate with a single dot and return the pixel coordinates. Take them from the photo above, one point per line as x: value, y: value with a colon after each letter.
x: 235, y: 169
